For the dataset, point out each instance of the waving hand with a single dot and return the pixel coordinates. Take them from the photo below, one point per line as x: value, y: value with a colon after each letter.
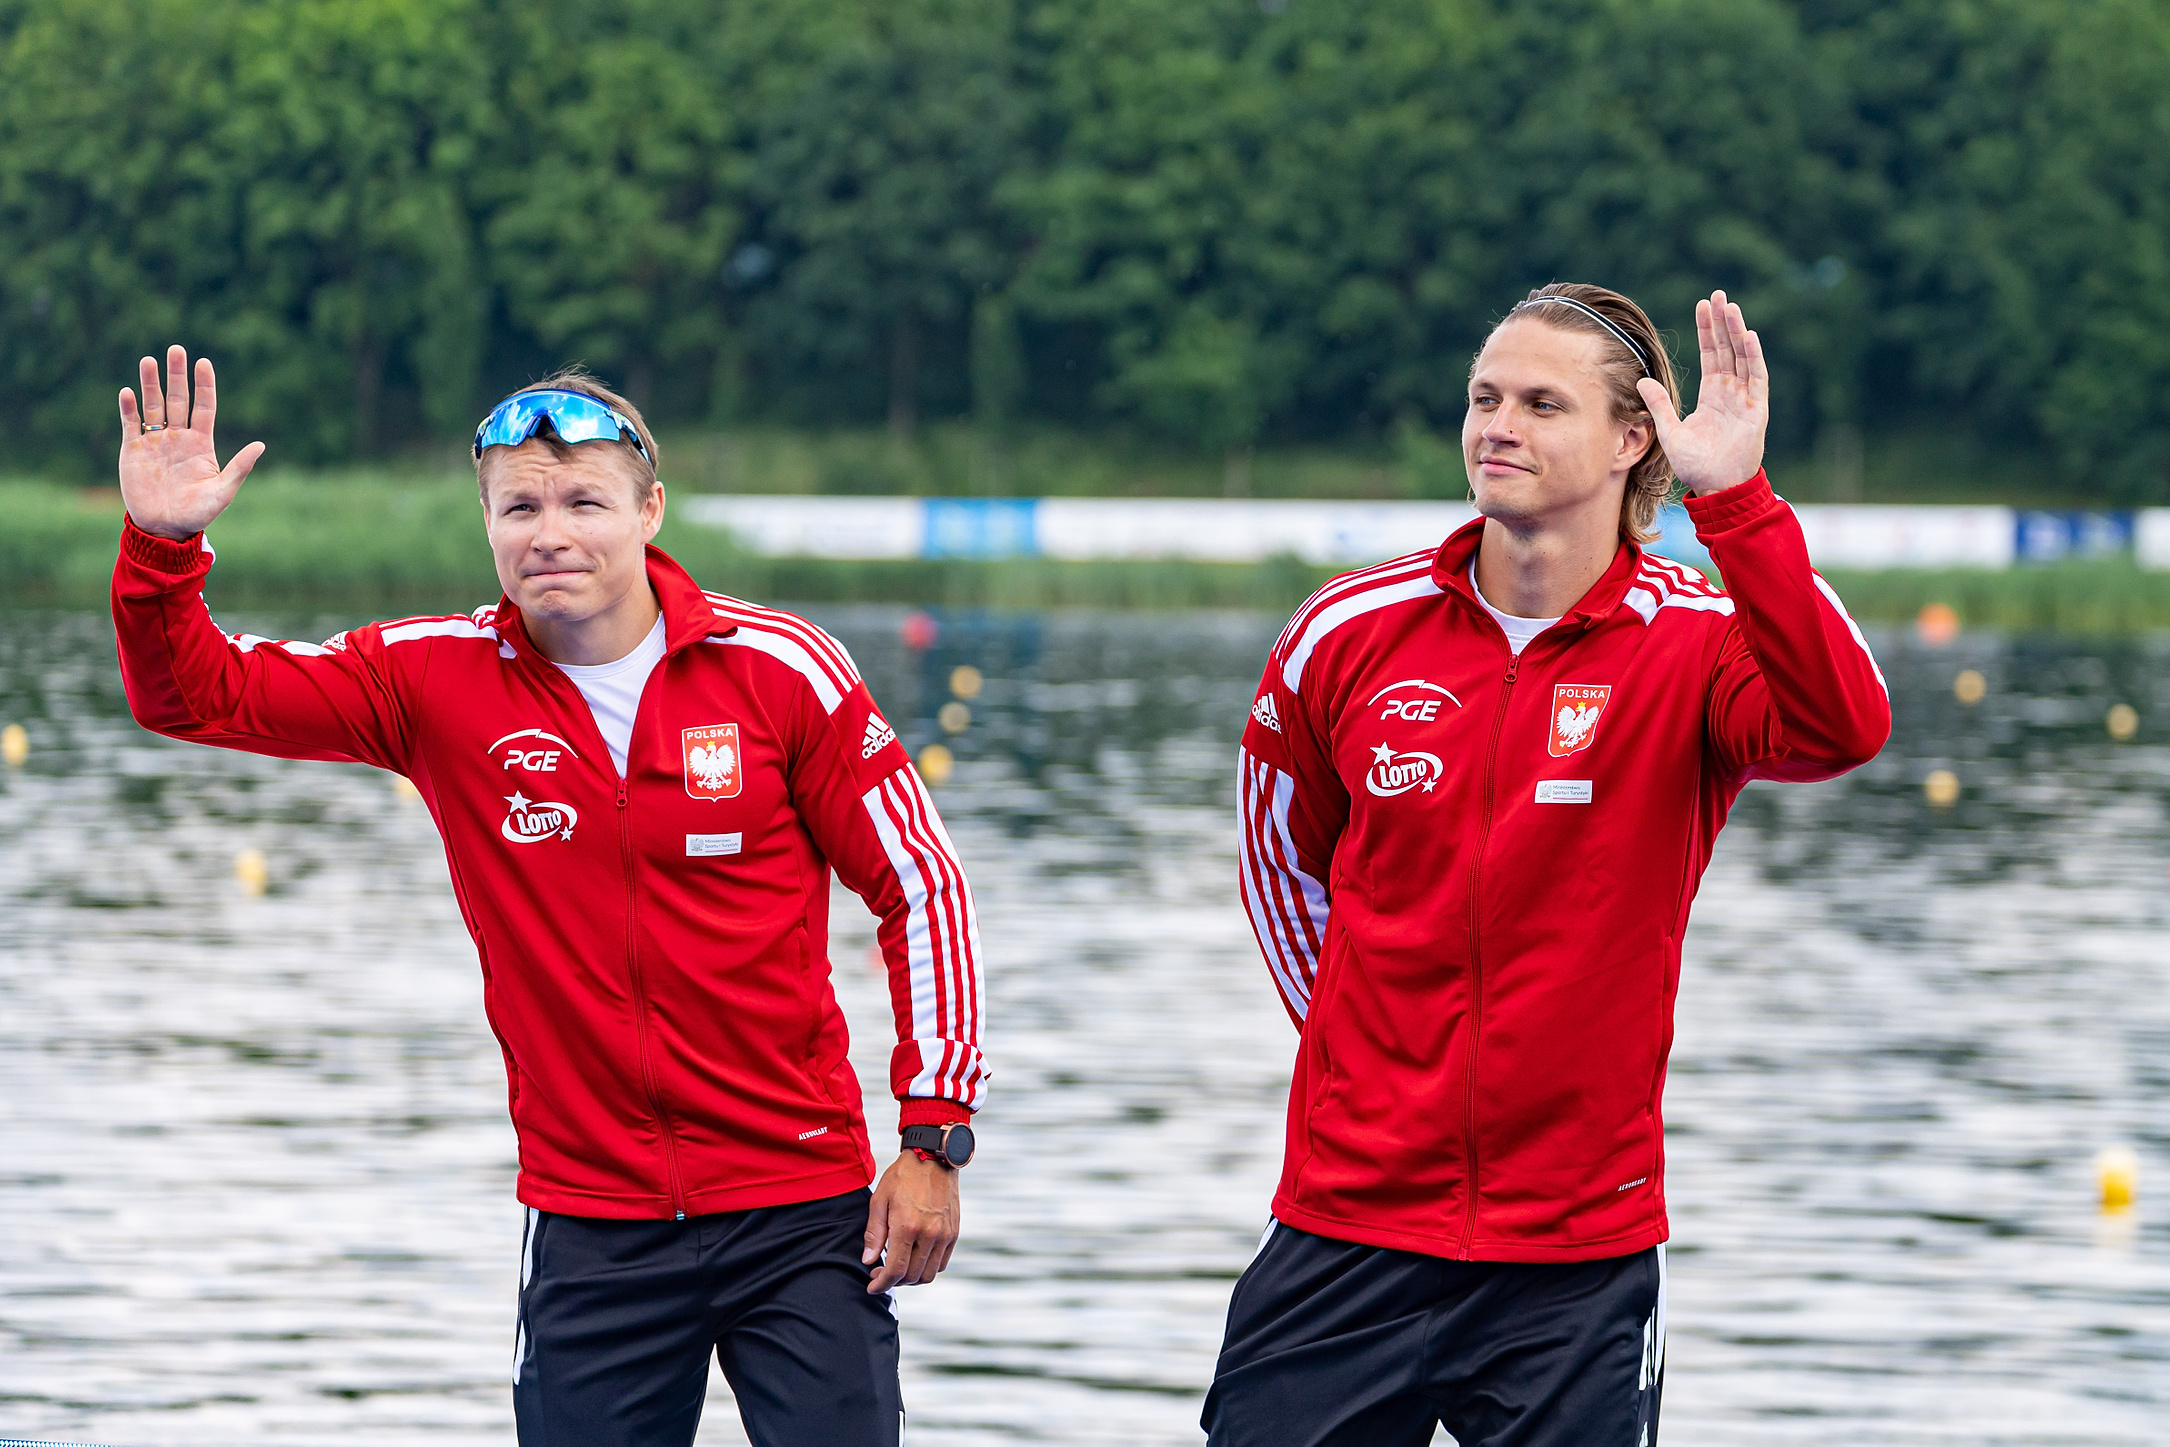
x: 170, y: 477
x: 1720, y: 443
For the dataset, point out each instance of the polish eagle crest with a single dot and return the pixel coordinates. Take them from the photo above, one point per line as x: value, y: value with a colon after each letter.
x: 1576, y: 708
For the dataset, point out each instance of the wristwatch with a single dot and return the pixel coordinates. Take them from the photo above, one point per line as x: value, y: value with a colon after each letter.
x: 949, y: 1145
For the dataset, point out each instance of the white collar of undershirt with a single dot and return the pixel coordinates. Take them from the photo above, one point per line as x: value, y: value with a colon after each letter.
x: 643, y: 657
x: 1519, y: 631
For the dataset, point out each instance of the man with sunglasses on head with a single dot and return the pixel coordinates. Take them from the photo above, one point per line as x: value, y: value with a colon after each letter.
x: 643, y: 788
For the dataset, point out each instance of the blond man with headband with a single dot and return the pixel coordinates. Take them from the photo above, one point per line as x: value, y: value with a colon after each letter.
x: 643, y: 789
x: 1478, y: 787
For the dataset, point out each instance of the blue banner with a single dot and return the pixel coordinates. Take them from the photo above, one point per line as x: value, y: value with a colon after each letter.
x: 982, y: 527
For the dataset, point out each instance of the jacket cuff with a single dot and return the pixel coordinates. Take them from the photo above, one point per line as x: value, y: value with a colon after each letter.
x: 162, y: 555
x: 922, y: 1110
x: 1722, y: 511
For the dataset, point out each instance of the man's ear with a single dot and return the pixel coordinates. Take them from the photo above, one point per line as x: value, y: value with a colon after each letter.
x: 652, y: 512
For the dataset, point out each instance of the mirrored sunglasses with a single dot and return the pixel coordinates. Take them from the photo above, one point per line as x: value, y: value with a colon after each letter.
x: 573, y: 416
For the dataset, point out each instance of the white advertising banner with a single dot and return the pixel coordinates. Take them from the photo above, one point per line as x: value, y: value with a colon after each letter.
x: 1352, y: 534
x: 1242, y: 529
x: 1871, y: 536
x: 815, y: 527
x: 2151, y: 537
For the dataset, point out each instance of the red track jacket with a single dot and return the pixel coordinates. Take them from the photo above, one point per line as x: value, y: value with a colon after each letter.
x: 655, y: 950
x: 1469, y: 873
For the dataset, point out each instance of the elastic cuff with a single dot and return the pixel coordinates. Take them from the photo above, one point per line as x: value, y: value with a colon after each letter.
x: 160, y: 555
x: 921, y: 1110
x: 1721, y: 511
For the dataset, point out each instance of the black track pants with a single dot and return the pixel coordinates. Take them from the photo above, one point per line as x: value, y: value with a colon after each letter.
x: 617, y: 1319
x: 1335, y: 1345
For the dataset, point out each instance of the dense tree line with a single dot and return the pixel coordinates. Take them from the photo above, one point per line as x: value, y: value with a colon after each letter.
x: 1224, y: 221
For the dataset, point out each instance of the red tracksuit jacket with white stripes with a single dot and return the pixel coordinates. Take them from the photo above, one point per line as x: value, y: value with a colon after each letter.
x: 1469, y: 872
x: 654, y: 949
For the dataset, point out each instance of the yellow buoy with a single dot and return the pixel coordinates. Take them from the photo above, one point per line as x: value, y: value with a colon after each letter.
x: 1941, y: 789
x: 251, y: 872
x: 2117, y: 1177
x: 954, y: 717
x: 1969, y: 687
x: 965, y: 681
x: 14, y: 745
x: 2123, y: 721
x: 935, y: 764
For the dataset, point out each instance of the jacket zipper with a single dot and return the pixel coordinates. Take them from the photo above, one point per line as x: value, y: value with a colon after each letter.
x: 640, y: 1005
x: 1476, y: 965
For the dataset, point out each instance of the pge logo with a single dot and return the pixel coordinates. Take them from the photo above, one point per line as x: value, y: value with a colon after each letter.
x: 533, y: 750
x: 1397, y: 773
x: 1414, y: 701
x: 712, y: 761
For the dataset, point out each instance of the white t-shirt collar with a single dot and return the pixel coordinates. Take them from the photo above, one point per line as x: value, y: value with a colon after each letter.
x: 1519, y: 631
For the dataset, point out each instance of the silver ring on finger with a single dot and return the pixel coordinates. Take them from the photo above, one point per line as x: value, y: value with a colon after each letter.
x: 154, y: 427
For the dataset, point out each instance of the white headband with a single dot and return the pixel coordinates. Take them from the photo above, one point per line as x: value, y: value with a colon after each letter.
x: 1596, y: 316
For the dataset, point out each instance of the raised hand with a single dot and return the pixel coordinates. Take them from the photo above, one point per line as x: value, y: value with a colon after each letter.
x: 1720, y: 443
x: 171, y: 481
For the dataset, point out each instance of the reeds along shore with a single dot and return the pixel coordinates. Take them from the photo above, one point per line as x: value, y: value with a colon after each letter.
x: 394, y: 546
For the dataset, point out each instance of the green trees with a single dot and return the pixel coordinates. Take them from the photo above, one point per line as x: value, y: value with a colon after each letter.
x: 873, y: 183
x: 1220, y: 222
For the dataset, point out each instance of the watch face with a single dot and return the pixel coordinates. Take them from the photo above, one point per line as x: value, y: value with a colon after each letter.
x: 959, y: 1145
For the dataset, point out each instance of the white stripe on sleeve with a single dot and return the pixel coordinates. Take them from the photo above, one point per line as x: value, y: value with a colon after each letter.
x: 793, y: 654
x: 941, y: 938
x: 1288, y: 908
x: 1852, y: 627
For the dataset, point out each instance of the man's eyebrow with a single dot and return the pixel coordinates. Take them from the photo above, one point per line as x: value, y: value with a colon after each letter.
x: 1542, y: 392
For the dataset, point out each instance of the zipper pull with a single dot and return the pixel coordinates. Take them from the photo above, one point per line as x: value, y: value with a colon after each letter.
x: 1513, y: 663
x: 621, y: 793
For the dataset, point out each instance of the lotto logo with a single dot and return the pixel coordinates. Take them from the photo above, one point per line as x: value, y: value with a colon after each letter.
x: 1394, y: 773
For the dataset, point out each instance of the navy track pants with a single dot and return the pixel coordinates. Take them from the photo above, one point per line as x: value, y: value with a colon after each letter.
x: 617, y: 1319
x: 1332, y: 1344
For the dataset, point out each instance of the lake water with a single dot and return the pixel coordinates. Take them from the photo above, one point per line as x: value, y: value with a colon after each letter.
x: 255, y: 1175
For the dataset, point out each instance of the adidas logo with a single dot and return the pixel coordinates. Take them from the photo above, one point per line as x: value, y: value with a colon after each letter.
x: 879, y: 736
x: 1266, y: 713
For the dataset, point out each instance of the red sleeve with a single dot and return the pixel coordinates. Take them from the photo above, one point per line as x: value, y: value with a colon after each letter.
x: 188, y: 680
x: 1795, y: 695
x: 1290, y: 811
x: 864, y: 804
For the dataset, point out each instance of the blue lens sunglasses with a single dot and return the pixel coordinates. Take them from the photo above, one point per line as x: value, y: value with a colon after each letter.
x: 574, y: 416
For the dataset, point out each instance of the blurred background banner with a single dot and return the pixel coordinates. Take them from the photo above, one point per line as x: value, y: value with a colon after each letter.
x: 1226, y: 227
x: 1840, y: 536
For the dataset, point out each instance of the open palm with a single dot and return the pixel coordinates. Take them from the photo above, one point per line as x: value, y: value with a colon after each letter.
x: 1720, y: 443
x: 171, y: 481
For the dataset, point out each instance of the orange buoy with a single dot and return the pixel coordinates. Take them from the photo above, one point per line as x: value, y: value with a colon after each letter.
x: 1937, y: 624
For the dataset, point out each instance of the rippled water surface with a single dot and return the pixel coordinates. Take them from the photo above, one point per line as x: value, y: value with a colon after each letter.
x: 255, y: 1173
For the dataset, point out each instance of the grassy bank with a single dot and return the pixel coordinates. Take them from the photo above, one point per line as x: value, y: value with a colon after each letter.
x: 384, y: 543
x: 373, y: 542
